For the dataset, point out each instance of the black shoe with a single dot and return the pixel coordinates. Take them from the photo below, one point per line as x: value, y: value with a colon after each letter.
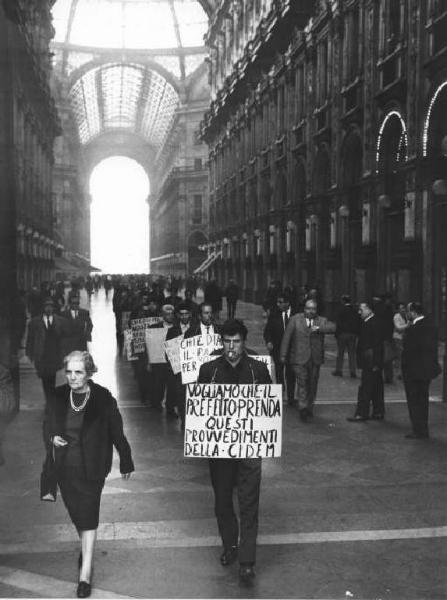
x: 228, y: 556
x: 377, y: 417
x: 246, y: 574
x: 337, y: 373
x: 84, y: 590
x: 417, y: 436
x: 356, y: 419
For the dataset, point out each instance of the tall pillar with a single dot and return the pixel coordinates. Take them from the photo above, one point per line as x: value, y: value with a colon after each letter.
x: 8, y: 266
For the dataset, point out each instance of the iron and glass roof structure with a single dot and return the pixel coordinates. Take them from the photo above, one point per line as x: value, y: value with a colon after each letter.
x: 126, y: 61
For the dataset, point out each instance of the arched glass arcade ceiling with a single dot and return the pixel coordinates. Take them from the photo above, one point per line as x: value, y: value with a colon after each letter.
x: 123, y: 96
x: 124, y: 60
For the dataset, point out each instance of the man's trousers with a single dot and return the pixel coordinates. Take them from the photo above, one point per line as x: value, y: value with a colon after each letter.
x: 245, y: 475
x: 306, y: 384
x: 417, y: 401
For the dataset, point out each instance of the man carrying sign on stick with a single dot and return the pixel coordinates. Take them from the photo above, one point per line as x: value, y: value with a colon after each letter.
x: 236, y: 367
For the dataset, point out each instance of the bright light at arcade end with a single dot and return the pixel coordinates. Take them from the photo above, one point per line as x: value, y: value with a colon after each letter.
x: 119, y: 188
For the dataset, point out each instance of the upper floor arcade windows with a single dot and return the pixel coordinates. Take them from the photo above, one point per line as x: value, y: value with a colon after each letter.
x: 391, y: 25
x: 351, y: 51
x: 322, y: 72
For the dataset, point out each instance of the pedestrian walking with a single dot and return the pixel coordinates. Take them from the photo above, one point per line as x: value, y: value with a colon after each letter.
x: 273, y: 335
x: 303, y: 348
x: 83, y: 424
x: 235, y: 366
x: 232, y: 296
x: 348, y: 327
x: 44, y: 346
x: 370, y: 361
x: 419, y: 366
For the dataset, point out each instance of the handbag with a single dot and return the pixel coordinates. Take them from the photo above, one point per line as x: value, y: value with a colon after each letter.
x: 48, y: 477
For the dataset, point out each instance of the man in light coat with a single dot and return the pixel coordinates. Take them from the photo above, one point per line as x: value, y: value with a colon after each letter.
x: 302, y: 347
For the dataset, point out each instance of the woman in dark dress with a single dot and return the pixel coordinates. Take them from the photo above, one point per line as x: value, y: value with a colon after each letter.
x: 83, y: 424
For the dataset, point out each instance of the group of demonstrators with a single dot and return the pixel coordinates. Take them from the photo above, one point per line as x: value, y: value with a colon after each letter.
x: 200, y: 371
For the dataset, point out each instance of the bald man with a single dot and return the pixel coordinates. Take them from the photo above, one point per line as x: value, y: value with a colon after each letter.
x: 302, y: 347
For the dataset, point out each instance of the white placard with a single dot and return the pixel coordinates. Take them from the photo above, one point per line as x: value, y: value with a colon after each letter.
x: 125, y: 316
x: 172, y: 349
x: 155, y: 339
x: 233, y: 420
x: 139, y: 327
x: 194, y: 352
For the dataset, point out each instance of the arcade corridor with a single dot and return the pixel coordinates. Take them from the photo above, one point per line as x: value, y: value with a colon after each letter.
x: 344, y: 503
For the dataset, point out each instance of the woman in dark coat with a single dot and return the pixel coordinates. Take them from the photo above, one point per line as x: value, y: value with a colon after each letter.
x: 84, y: 423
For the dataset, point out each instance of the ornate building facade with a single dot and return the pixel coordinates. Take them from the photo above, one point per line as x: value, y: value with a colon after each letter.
x: 28, y: 127
x: 179, y: 202
x: 327, y: 146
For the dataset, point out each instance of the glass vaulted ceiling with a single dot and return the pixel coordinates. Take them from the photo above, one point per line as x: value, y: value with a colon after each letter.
x: 137, y: 24
x: 123, y: 96
x: 118, y: 44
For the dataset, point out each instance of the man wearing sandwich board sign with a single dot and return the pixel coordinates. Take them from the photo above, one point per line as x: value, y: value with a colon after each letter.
x: 242, y: 386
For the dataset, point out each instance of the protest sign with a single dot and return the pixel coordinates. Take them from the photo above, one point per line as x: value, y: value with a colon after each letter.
x: 172, y: 349
x: 128, y: 345
x: 194, y: 352
x: 138, y: 327
x: 155, y: 339
x: 125, y: 316
x: 233, y: 420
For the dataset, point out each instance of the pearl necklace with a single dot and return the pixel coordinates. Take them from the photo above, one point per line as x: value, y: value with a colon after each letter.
x: 81, y: 406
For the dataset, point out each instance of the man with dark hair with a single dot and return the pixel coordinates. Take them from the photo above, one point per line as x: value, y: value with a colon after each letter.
x: 235, y: 366
x: 348, y: 327
x: 43, y: 345
x: 79, y: 326
x: 181, y: 327
x: 273, y: 334
x: 370, y: 361
x: 205, y: 325
x: 419, y: 366
x: 232, y: 295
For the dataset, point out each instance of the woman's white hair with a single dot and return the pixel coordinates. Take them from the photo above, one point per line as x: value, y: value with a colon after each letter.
x: 85, y: 357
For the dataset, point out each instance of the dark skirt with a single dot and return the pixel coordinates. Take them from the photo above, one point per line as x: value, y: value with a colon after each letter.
x: 81, y: 497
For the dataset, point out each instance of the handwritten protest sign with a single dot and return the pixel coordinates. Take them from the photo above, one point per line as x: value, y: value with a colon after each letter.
x: 139, y: 327
x: 172, y: 349
x: 125, y: 316
x: 194, y: 352
x: 155, y: 339
x: 233, y: 420
x: 128, y: 345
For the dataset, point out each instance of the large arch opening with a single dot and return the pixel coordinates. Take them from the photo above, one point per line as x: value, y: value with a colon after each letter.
x: 119, y: 233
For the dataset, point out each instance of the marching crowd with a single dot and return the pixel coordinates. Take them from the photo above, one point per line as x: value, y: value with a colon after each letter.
x: 82, y: 422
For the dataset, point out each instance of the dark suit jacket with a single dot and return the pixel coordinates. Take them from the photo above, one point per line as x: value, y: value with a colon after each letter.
x: 274, y: 331
x: 196, y: 330
x: 370, y: 344
x: 420, y: 352
x: 35, y: 342
x: 102, y: 429
x: 79, y: 330
x: 249, y: 370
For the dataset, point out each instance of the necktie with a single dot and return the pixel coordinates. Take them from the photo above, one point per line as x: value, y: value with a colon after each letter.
x: 207, y: 329
x: 285, y: 319
x: 309, y: 323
